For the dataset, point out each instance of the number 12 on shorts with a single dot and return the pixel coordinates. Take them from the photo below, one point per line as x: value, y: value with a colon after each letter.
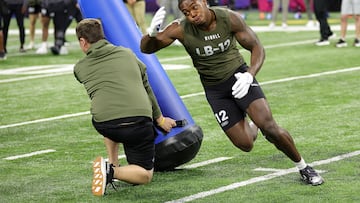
x: 222, y: 118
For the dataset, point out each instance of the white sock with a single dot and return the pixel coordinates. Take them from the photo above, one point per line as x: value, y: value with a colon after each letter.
x: 301, y: 164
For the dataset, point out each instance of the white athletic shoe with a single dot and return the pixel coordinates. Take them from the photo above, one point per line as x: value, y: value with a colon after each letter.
x: 63, y: 51
x: 322, y: 42
x: 42, y: 50
x: 272, y: 25
x: 30, y: 46
x: 284, y: 25
x: 311, y: 23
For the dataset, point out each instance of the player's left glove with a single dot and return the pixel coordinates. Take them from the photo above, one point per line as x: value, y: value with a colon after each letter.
x: 242, y: 84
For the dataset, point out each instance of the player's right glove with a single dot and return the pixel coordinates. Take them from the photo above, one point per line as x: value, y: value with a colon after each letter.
x: 156, y: 22
x: 242, y: 84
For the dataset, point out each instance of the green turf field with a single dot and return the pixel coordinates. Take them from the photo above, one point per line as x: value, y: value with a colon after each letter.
x: 313, y: 91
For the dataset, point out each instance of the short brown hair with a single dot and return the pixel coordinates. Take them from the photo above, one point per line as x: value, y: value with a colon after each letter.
x: 90, y: 29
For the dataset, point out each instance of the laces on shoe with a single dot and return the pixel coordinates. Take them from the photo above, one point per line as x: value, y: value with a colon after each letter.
x: 110, y: 175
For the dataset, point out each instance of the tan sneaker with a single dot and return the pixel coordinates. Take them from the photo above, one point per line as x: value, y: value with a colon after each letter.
x: 99, y: 177
x: 103, y: 173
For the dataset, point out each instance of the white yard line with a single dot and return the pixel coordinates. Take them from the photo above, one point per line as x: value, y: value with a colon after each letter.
x: 30, y: 154
x: 45, y: 119
x: 31, y: 77
x: 259, y: 179
x: 204, y: 163
x: 189, y: 95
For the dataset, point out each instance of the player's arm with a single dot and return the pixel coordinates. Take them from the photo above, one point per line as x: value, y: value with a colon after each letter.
x: 162, y: 39
x: 155, y: 39
x: 248, y: 40
x: 165, y: 123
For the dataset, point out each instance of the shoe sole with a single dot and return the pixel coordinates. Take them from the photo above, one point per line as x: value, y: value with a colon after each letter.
x: 307, y: 181
x: 341, y: 45
x: 99, y: 177
x: 322, y: 44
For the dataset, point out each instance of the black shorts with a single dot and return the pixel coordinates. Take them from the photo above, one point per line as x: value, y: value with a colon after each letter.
x: 137, y: 136
x: 36, y: 9
x: 227, y: 109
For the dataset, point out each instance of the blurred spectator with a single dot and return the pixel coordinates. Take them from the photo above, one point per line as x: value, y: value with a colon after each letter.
x: 34, y: 10
x: 275, y: 10
x: 137, y: 10
x: 17, y: 7
x: 309, y: 12
x: 265, y: 8
x: 349, y: 8
x: 74, y: 13
x: 58, y: 11
x: 2, y: 51
x: 213, y: 2
x: 321, y: 13
x: 45, y: 22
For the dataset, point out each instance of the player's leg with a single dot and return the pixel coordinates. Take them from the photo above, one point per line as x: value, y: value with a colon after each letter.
x: 259, y: 111
x: 45, y: 22
x: 242, y: 135
x: 20, y: 23
x: 129, y: 173
x: 32, y: 21
x: 139, y: 148
x: 112, y: 149
x: 231, y: 115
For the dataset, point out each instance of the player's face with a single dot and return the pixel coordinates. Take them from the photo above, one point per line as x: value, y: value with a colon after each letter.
x: 194, y: 11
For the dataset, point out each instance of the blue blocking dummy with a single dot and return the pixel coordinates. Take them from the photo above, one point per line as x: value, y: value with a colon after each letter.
x: 183, y: 142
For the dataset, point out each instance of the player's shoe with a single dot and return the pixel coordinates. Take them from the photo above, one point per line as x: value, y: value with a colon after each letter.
x: 63, y: 51
x: 332, y: 36
x: 2, y: 56
x: 310, y: 176
x: 42, y: 50
x: 272, y: 25
x: 30, y: 46
x: 55, y: 50
x: 322, y: 42
x: 341, y: 43
x: 356, y: 42
x: 103, y: 174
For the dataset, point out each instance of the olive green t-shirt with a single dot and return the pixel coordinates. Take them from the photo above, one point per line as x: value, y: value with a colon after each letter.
x: 116, y: 82
x: 214, y: 53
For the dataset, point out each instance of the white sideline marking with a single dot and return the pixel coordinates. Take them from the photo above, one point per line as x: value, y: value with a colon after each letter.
x: 30, y: 154
x: 39, y: 69
x: 311, y: 75
x: 190, y: 95
x: 45, y: 119
x: 175, y: 66
x: 165, y: 66
x: 31, y: 77
x: 268, y: 169
x: 122, y: 156
x: 277, y: 170
x: 204, y: 163
x: 260, y: 179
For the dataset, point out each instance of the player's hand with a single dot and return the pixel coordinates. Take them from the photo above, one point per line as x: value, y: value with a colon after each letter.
x: 156, y: 22
x: 242, y: 84
x: 166, y: 123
